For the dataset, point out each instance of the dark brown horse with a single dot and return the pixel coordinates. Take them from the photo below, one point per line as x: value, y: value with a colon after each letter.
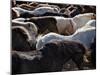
x: 50, y: 58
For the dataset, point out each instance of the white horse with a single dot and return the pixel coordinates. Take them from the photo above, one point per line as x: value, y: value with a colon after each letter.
x: 82, y: 35
x: 36, y: 12
x: 70, y: 25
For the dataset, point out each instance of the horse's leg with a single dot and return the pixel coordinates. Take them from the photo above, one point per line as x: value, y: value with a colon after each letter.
x: 78, y: 59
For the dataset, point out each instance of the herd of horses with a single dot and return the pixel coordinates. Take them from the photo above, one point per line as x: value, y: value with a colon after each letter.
x: 45, y: 36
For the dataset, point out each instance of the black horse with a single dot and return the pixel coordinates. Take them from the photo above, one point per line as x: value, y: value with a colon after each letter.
x: 50, y: 58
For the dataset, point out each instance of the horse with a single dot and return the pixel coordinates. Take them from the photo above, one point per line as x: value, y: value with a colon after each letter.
x: 89, y: 9
x: 71, y: 10
x: 14, y: 14
x: 36, y: 12
x: 28, y: 25
x: 65, y: 11
x: 26, y: 7
x: 23, y: 13
x: 62, y: 25
x: 83, y: 35
x: 68, y: 26
x: 65, y: 26
x: 48, y: 5
x: 33, y: 4
x: 23, y: 35
x: 89, y: 24
x: 13, y: 3
x: 74, y: 12
x: 82, y: 19
x: 42, y: 10
x: 50, y: 58
x: 43, y: 24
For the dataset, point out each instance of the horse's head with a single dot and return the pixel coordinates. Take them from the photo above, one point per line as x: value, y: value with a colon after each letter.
x: 89, y: 16
x: 28, y: 30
